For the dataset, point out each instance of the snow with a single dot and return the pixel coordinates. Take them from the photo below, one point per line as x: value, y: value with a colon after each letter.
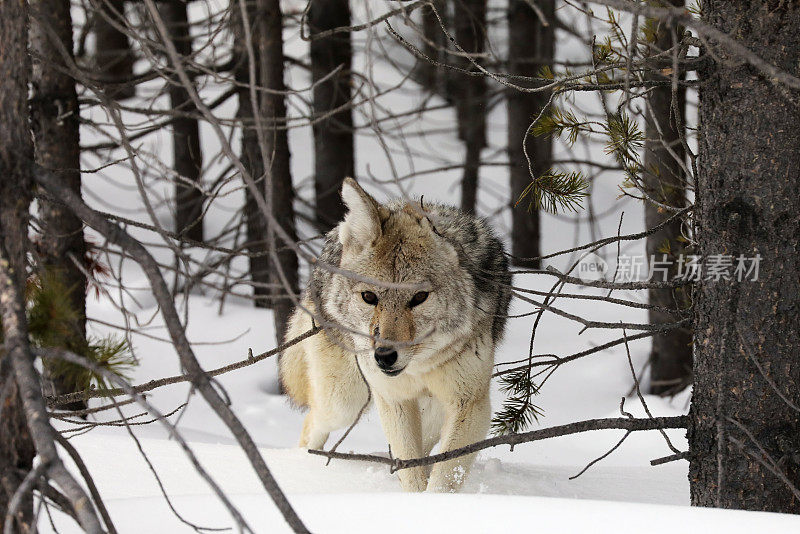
x: 506, y: 489
x: 363, y: 512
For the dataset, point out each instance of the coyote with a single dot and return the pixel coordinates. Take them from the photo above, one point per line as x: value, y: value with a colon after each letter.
x: 415, y: 309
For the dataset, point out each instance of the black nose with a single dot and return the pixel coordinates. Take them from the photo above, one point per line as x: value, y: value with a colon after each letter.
x: 386, y: 357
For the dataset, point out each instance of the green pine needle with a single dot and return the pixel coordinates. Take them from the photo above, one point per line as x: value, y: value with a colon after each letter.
x: 554, y: 191
x: 558, y: 121
x: 53, y: 323
x: 625, y: 139
x: 518, y: 411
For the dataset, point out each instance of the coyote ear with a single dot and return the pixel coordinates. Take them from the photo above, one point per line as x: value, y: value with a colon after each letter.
x: 362, y: 224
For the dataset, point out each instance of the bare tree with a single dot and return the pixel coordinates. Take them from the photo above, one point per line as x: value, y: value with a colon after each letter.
x: 664, y: 178
x: 334, y: 152
x: 268, y: 38
x: 744, y: 429
x: 531, y: 46
x: 469, y: 94
x: 265, y: 150
x: 16, y: 444
x: 54, y: 120
x: 24, y: 425
x: 434, y: 44
x: 113, y: 53
x: 186, y: 152
x: 250, y: 155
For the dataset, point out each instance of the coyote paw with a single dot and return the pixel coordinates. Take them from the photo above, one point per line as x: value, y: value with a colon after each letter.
x: 413, y: 479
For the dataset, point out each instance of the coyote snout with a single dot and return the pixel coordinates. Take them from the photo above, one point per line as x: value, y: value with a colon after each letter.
x: 420, y: 323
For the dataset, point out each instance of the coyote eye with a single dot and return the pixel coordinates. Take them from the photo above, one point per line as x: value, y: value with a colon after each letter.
x: 418, y: 298
x: 369, y: 297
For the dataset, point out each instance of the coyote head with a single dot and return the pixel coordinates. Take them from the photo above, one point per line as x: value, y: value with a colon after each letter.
x: 387, y: 246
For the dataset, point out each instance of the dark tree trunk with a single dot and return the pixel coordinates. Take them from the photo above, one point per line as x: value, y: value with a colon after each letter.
x: 113, y: 53
x: 531, y: 46
x: 253, y: 162
x: 54, y: 119
x: 665, y: 180
x: 469, y: 179
x: 428, y: 75
x: 747, y: 333
x: 188, y: 157
x: 469, y: 95
x: 16, y: 153
x: 280, y: 193
x: 334, y: 156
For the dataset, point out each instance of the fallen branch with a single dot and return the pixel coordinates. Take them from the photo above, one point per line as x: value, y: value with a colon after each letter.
x: 618, y: 423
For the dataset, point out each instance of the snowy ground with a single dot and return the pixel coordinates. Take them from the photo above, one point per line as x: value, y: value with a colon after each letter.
x: 506, y: 490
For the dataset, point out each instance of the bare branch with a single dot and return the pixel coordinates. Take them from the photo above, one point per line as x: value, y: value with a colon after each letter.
x: 622, y: 423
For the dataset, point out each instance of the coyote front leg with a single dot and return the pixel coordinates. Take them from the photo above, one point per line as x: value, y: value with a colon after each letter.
x: 462, y: 386
x: 403, y: 428
x: 463, y: 426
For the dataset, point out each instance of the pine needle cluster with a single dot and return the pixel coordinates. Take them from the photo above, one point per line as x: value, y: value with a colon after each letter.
x: 53, y: 323
x: 555, y: 190
x: 558, y: 121
x: 625, y: 140
x: 518, y: 411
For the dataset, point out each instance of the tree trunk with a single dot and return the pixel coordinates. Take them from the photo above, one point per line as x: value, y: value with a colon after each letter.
x: 469, y: 94
x: 427, y: 74
x: 531, y: 46
x: 334, y: 156
x: 747, y: 333
x: 187, y: 155
x: 16, y: 153
x: 54, y: 120
x: 268, y: 38
x: 113, y: 53
x: 665, y: 180
x: 252, y: 161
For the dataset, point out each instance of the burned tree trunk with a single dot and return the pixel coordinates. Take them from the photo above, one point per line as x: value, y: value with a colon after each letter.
x: 54, y: 120
x: 664, y: 178
x: 187, y: 155
x: 469, y: 95
x: 531, y: 46
x: 334, y: 156
x: 744, y: 429
x: 16, y: 153
x: 256, y: 227
x: 113, y: 53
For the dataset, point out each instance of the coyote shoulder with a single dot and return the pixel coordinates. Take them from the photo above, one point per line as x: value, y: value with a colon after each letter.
x: 417, y: 306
